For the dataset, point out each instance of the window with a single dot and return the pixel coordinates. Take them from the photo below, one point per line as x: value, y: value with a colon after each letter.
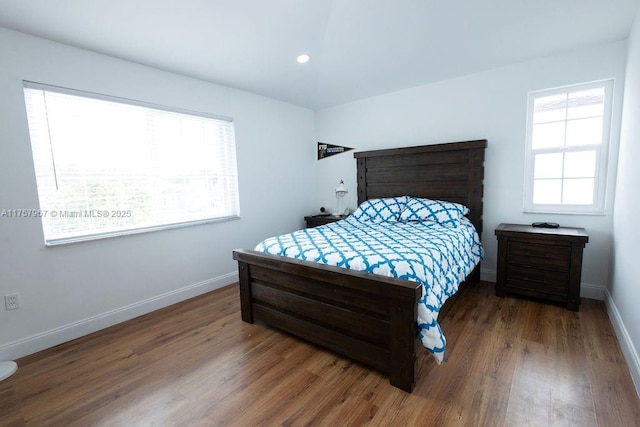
x: 567, y: 145
x: 108, y: 166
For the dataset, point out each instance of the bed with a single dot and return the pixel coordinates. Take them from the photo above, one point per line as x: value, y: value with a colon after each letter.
x: 367, y: 317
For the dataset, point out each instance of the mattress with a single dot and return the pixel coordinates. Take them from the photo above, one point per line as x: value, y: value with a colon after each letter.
x: 437, y: 256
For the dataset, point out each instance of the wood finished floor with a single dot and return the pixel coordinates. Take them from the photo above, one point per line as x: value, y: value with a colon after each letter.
x: 510, y: 362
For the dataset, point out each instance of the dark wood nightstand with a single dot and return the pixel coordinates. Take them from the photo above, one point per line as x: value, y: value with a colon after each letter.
x: 541, y: 262
x: 316, y: 220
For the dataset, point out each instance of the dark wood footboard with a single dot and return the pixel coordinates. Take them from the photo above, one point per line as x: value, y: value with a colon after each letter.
x: 365, y: 317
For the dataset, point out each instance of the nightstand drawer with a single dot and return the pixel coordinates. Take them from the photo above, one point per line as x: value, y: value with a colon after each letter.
x: 537, y: 280
x: 545, y: 256
x: 317, y: 220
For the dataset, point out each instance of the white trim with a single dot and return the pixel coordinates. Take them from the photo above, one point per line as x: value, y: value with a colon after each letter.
x: 110, y: 98
x: 598, y: 207
x: 590, y: 291
x: 62, y: 334
x: 88, y: 237
x: 629, y: 351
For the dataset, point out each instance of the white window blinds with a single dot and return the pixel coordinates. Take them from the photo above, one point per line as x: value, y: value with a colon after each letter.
x: 107, y: 166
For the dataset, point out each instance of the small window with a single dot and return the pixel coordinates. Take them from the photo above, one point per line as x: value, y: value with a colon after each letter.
x: 566, y: 150
x: 107, y: 166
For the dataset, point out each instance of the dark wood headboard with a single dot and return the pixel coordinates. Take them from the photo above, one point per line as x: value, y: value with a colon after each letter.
x: 452, y: 171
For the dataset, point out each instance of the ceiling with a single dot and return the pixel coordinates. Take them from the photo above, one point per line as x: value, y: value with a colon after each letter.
x: 358, y: 48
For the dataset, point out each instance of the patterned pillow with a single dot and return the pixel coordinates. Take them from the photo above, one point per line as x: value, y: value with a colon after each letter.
x: 380, y: 210
x: 445, y: 213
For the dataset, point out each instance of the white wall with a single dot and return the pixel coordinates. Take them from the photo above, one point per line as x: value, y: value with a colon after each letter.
x: 489, y: 105
x: 624, y: 289
x: 70, y: 290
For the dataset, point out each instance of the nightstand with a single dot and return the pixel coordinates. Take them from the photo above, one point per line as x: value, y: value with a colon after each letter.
x: 541, y: 262
x: 316, y: 220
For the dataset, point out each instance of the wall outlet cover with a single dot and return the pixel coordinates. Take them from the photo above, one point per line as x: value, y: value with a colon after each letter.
x: 12, y: 301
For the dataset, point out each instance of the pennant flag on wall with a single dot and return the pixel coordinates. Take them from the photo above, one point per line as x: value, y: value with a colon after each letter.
x: 327, y: 150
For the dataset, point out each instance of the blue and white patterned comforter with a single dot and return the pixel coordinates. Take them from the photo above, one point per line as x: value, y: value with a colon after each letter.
x: 436, y: 256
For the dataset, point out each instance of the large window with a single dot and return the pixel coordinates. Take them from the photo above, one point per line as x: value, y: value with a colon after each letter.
x: 567, y: 144
x: 108, y: 166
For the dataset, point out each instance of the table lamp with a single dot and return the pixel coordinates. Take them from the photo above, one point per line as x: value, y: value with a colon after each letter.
x: 341, y: 191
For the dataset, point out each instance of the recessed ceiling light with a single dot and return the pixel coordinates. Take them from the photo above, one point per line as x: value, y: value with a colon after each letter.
x: 302, y: 59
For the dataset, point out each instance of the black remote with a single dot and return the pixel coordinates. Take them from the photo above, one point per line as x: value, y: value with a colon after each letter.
x: 545, y: 225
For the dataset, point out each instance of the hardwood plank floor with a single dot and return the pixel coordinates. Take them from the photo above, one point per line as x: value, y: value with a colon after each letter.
x: 509, y: 362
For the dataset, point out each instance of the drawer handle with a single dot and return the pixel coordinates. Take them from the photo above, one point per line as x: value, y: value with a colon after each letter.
x: 544, y: 282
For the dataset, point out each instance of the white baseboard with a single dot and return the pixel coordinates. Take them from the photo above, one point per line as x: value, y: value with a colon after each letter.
x: 629, y: 351
x: 53, y: 337
x: 590, y: 291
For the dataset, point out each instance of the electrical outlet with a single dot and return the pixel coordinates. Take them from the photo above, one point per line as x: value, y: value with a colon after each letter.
x: 12, y: 301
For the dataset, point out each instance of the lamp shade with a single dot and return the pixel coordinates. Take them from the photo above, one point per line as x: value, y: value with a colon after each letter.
x: 341, y: 190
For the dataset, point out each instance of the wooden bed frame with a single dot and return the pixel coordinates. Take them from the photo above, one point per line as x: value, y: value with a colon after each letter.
x: 366, y: 317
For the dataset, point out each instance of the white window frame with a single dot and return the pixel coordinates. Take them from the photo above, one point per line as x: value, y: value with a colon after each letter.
x: 602, y: 153
x: 217, y: 182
